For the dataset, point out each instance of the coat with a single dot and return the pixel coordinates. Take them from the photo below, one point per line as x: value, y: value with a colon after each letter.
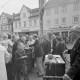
x: 74, y: 71
x: 3, y: 55
x: 46, y: 45
x: 38, y: 51
x: 54, y: 42
x: 60, y: 48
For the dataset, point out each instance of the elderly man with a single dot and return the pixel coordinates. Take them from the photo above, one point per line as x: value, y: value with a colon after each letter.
x: 23, y: 39
x: 74, y: 71
x: 38, y: 51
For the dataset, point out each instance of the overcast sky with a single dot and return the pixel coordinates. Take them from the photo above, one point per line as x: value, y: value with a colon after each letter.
x: 14, y: 6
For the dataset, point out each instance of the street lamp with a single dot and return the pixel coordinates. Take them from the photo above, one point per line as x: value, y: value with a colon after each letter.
x: 42, y: 3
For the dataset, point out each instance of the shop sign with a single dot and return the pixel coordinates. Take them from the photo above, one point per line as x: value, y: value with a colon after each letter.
x: 26, y: 30
x: 61, y: 27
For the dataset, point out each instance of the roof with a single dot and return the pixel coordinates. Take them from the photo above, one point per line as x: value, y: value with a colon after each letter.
x: 34, y: 16
x: 26, y: 8
x: 8, y: 15
x: 32, y: 11
x: 16, y: 16
x: 54, y: 3
x: 35, y: 10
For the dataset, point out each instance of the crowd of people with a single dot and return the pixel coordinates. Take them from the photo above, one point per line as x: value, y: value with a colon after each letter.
x: 14, y: 49
x: 13, y: 54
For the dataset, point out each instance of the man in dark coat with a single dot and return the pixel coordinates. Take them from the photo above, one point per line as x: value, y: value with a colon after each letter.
x: 15, y: 45
x: 46, y: 45
x: 53, y: 43
x: 38, y: 51
x: 74, y: 72
x: 60, y: 47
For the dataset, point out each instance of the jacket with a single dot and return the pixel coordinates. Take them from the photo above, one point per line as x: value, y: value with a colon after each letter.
x: 38, y: 51
x: 74, y: 71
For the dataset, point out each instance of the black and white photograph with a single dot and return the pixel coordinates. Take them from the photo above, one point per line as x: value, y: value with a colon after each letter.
x: 39, y: 39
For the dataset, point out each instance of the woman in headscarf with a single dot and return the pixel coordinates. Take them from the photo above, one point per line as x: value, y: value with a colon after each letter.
x: 74, y: 71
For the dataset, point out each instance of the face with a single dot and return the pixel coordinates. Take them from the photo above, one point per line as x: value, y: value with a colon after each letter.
x: 31, y: 37
x: 23, y: 39
x: 73, y: 35
x: 21, y: 46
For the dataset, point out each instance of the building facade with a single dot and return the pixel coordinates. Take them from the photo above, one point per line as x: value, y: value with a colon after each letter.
x: 27, y: 21
x: 60, y: 16
x: 6, y: 23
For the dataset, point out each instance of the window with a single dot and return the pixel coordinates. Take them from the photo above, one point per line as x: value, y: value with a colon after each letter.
x: 10, y: 27
x: 24, y: 15
x: 35, y: 21
x: 30, y: 22
x: 7, y: 28
x: 75, y: 7
x: 76, y: 19
x: 3, y: 28
x: 48, y: 12
x: 56, y: 21
x: 48, y: 23
x: 35, y: 13
x: 64, y: 9
x: 56, y: 10
x: 19, y: 24
x: 15, y: 25
x: 63, y: 21
x: 79, y: 6
x: 24, y: 23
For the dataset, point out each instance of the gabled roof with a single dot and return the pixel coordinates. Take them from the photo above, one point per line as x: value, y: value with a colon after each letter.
x: 26, y: 8
x: 8, y: 15
x: 56, y: 3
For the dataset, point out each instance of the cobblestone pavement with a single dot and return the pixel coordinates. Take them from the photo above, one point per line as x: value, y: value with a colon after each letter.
x: 33, y: 75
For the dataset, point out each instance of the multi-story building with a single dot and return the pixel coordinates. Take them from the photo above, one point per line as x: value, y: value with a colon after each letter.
x: 6, y: 23
x: 60, y: 16
x: 27, y: 21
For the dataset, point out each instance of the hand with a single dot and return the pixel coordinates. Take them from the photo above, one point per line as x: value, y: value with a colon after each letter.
x: 66, y: 77
x: 65, y: 51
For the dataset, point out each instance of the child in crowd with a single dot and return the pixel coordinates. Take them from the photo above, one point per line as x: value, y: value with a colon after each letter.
x: 20, y: 62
